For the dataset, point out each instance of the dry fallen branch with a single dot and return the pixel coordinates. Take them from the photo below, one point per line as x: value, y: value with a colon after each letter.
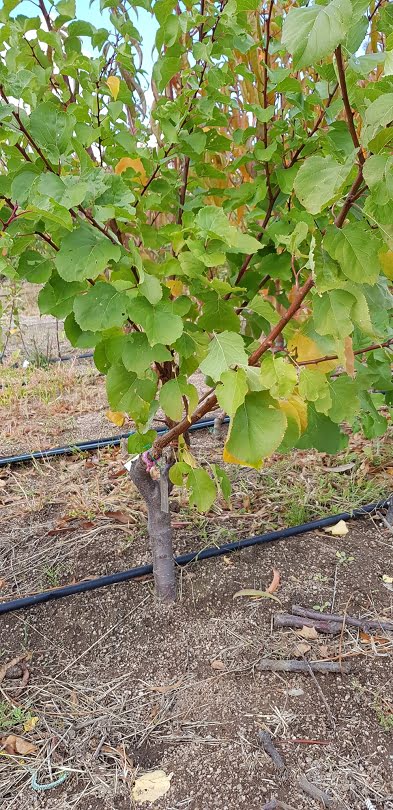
x: 315, y: 792
x: 364, y: 624
x: 286, y: 620
x: 270, y: 749
x: 274, y: 665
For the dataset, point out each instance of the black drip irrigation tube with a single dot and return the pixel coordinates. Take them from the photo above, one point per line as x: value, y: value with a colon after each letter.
x: 184, y: 559
x: 91, y: 445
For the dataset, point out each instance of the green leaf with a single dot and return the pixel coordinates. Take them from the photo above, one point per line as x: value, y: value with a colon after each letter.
x: 139, y: 442
x: 51, y: 129
x: 314, y: 387
x: 332, y: 312
x: 322, y: 434
x: 76, y: 336
x: 255, y: 431
x: 225, y: 350
x: 57, y: 296
x: 34, y: 267
x: 129, y: 394
x: 202, y: 489
x: 314, y: 32
x: 138, y: 355
x: 218, y: 315
x: 171, y: 397
x: 378, y: 114
x: 151, y: 288
x: 212, y: 222
x: 345, y: 400
x: 223, y: 481
x: 264, y: 308
x: 355, y: 247
x: 278, y: 376
x: 232, y: 391
x: 160, y: 323
x: 315, y: 196
x: 84, y: 253
x: 102, y: 307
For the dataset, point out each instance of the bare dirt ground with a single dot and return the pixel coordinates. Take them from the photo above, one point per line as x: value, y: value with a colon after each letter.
x: 116, y: 687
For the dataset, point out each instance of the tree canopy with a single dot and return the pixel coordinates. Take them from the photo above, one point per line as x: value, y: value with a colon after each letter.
x: 241, y: 225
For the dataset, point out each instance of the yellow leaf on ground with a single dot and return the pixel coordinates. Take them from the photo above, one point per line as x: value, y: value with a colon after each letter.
x: 30, y: 724
x: 113, y: 83
x: 275, y: 583
x: 254, y: 594
x: 338, y: 530
x: 116, y: 417
x: 309, y: 633
x: 151, y: 786
x: 387, y: 579
x: 131, y: 163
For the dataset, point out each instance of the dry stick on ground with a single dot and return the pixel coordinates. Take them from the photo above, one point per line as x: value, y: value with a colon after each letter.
x: 363, y: 624
x: 315, y: 792
x: 277, y: 665
x: 270, y: 749
x: 286, y: 620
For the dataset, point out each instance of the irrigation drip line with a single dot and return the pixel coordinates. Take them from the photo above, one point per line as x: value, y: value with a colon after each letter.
x: 184, y: 559
x: 90, y: 445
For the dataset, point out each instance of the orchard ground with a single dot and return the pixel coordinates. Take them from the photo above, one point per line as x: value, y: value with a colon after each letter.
x: 121, y: 687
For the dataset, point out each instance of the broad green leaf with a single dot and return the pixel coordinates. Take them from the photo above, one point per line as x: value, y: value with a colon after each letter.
x: 76, y: 335
x: 278, y: 376
x: 160, y: 323
x: 264, y: 308
x: 102, y: 307
x: 322, y: 434
x: 225, y: 350
x: 202, y: 489
x: 378, y: 114
x: 129, y: 394
x: 232, y: 391
x: 171, y: 397
x: 139, y: 442
x: 314, y: 387
x: 355, y: 247
x: 151, y: 288
x: 212, y: 222
x: 35, y: 267
x: 315, y: 196
x: 84, y: 253
x: 345, y: 400
x: 218, y: 315
x: 51, y: 129
x: 138, y: 355
x: 313, y: 32
x: 255, y: 431
x: 332, y: 313
x: 57, y: 296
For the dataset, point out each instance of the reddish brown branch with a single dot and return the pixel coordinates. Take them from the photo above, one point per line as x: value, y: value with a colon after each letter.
x: 183, y: 190
x: 328, y: 357
x: 347, y: 105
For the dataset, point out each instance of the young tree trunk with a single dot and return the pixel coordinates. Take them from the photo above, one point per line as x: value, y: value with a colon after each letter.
x: 159, y: 528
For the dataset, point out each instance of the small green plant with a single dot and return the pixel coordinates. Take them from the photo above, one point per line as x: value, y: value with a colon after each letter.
x: 343, y: 558
x: 321, y: 608
x: 12, y: 716
x: 384, y: 716
x: 320, y: 578
x: 52, y: 575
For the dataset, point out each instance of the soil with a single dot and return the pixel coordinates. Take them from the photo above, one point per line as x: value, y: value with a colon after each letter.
x: 178, y: 689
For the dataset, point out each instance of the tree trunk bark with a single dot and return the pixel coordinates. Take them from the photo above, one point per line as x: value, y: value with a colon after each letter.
x: 159, y: 528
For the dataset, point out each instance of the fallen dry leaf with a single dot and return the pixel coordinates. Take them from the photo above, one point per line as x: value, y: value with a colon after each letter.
x: 387, y: 580
x: 301, y: 649
x: 338, y: 530
x: 254, y: 594
x: 366, y: 638
x: 169, y: 687
x: 118, y: 516
x: 275, y: 583
x: 324, y: 651
x: 218, y: 665
x: 151, y: 786
x: 17, y: 745
x: 307, y: 632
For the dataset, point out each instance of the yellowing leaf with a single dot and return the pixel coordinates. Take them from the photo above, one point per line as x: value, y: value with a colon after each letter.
x: 306, y: 349
x: 116, y: 417
x: 189, y: 458
x: 349, y: 357
x: 151, y: 786
x: 131, y: 163
x: 113, y: 83
x: 386, y: 261
x: 254, y: 594
x: 309, y: 633
x: 175, y: 286
x: 387, y: 579
x: 30, y: 724
x: 230, y: 459
x: 338, y: 530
